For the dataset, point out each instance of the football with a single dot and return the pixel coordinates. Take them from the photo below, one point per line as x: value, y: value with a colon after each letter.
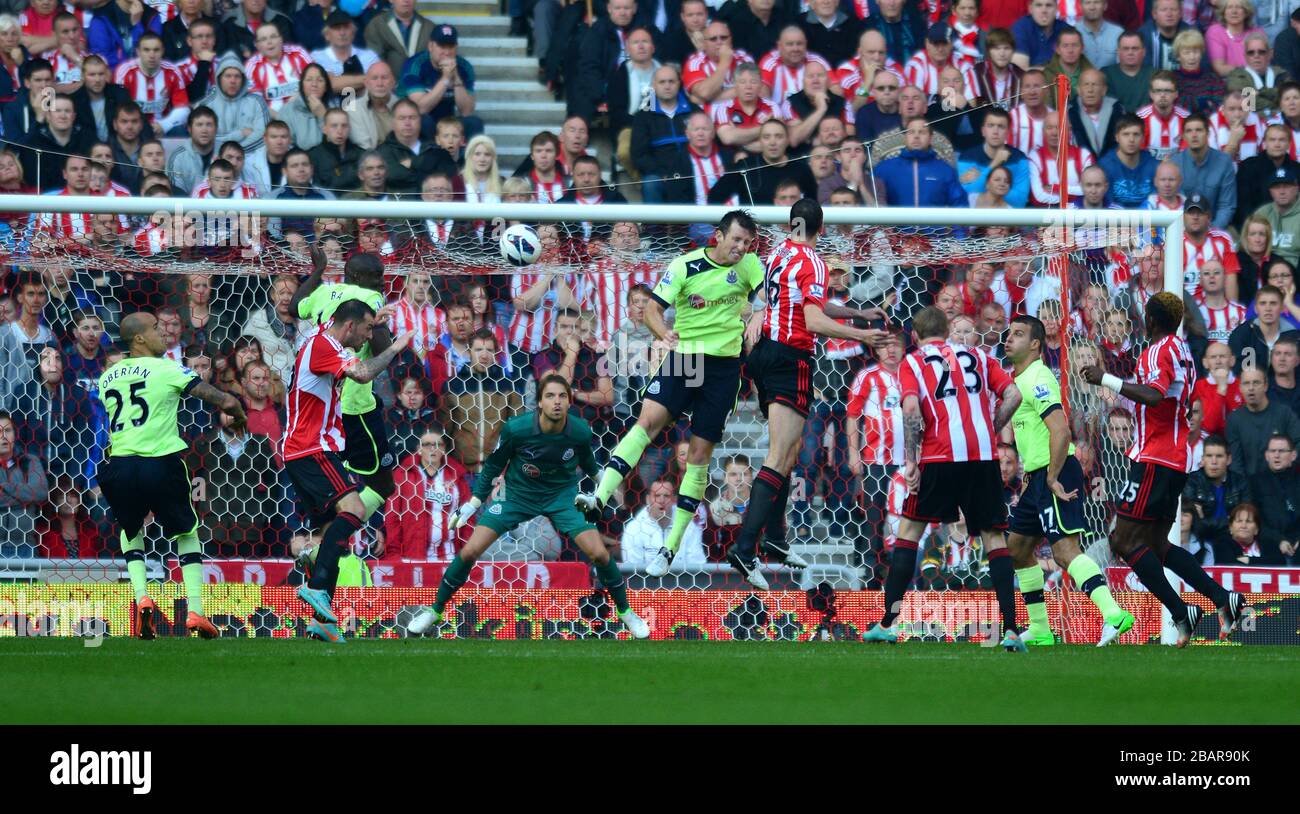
x: 520, y: 245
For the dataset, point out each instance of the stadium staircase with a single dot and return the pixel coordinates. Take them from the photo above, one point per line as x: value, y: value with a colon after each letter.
x: 512, y: 103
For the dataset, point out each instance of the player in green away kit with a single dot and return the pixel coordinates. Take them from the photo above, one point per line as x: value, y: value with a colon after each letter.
x: 710, y: 288
x: 143, y: 471
x: 539, y: 454
x: 366, y: 452
x: 1051, y: 502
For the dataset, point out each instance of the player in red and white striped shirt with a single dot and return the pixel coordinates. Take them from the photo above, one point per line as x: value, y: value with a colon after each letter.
x: 1231, y: 114
x: 782, y: 67
x: 275, y: 70
x: 950, y: 448
x: 1162, y: 120
x: 1044, y: 175
x: 780, y: 365
x: 875, y: 436
x: 1148, y: 501
x: 155, y: 85
x: 1221, y: 314
x: 313, y: 439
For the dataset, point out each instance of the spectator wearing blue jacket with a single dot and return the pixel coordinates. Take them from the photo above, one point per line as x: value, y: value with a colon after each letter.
x: 917, y: 176
x: 659, y: 134
x: 113, y: 35
x: 1130, y: 169
x: 975, y: 163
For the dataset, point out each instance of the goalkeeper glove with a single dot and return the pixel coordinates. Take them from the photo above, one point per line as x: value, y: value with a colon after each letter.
x: 465, y: 512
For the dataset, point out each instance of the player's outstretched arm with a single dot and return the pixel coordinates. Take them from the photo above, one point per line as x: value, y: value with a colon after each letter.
x: 654, y: 320
x: 822, y: 325
x: 1142, y: 394
x: 313, y: 281
x: 835, y: 311
x: 367, y: 371
x: 223, y: 401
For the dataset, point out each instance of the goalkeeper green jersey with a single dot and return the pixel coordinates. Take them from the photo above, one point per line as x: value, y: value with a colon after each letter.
x: 709, y: 299
x: 538, y: 465
x: 1041, y: 394
x: 140, y: 396
x: 319, y: 307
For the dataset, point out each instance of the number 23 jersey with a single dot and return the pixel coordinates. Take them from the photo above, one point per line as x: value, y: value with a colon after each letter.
x: 956, y: 386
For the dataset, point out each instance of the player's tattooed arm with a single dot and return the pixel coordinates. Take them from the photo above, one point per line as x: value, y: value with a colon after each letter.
x: 913, y: 429
x: 223, y: 401
x: 313, y: 281
x: 367, y: 371
x: 1007, y: 406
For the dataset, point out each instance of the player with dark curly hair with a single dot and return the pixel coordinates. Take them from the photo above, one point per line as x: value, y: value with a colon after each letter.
x: 1148, y: 503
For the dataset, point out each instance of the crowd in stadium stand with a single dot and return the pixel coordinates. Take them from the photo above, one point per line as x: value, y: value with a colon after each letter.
x: 1174, y: 104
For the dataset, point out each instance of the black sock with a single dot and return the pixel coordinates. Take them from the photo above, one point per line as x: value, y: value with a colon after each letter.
x: 776, y: 530
x: 1148, y: 569
x: 902, y: 566
x: 1181, y: 562
x: 1003, y: 576
x: 762, y: 500
x: 325, y: 574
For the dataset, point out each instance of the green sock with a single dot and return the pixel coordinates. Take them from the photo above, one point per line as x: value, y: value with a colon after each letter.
x: 689, y: 494
x: 612, y: 579
x: 1087, y: 576
x: 133, y: 551
x: 190, y: 553
x: 456, y: 575
x: 372, y: 500
x: 622, y: 459
x: 1031, y: 588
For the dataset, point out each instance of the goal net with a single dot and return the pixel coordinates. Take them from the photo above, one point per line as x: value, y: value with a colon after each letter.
x: 221, y: 282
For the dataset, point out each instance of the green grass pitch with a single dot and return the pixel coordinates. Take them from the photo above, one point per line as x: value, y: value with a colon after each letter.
x: 438, y: 681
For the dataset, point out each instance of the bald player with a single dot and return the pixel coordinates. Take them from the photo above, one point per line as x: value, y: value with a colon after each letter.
x: 143, y: 472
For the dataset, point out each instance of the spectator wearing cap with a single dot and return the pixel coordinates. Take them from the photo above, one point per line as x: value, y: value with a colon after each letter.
x: 399, y: 34
x: 1256, y: 173
x: 756, y: 24
x: 1036, y: 34
x: 371, y: 112
x: 441, y: 83
x: 601, y: 51
x: 342, y: 60
x: 1286, y: 48
x: 924, y: 69
x: 830, y: 31
x: 658, y: 147
x: 243, y: 22
x: 1283, y: 214
x: 408, y: 157
x: 1207, y: 171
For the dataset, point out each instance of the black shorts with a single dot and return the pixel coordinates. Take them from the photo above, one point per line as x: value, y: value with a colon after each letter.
x: 319, y: 480
x: 975, y: 487
x: 135, y: 486
x: 782, y: 374
x: 1151, y: 493
x: 1039, y: 513
x: 367, y: 449
x: 702, y: 385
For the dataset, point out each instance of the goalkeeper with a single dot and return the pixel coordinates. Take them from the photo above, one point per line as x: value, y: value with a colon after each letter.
x: 1051, y: 504
x: 710, y: 288
x: 539, y: 453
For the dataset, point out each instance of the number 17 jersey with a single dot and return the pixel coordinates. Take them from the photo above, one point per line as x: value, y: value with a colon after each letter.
x: 956, y: 386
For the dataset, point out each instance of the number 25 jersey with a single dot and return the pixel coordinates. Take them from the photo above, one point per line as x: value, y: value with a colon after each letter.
x: 956, y: 386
